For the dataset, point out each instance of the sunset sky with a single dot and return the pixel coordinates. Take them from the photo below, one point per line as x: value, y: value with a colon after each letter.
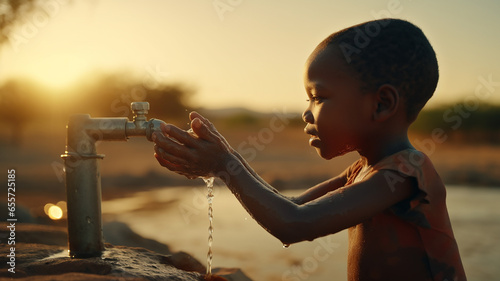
x: 240, y: 52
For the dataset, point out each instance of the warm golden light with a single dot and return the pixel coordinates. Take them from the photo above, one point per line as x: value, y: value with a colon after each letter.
x: 58, y: 71
x: 55, y: 212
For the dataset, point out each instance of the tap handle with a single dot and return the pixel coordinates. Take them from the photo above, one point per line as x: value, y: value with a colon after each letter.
x: 140, y: 110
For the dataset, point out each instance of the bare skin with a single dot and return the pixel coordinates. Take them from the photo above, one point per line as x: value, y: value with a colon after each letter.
x: 340, y: 118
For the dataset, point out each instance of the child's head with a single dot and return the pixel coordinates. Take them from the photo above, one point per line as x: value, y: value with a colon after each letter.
x: 367, y: 82
x: 389, y: 51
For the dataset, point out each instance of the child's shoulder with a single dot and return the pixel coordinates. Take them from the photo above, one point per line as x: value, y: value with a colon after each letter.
x: 408, y: 166
x: 408, y: 162
x: 405, y: 163
x: 416, y: 164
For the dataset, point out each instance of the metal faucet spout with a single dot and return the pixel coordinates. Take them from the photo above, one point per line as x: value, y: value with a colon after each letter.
x: 153, y: 125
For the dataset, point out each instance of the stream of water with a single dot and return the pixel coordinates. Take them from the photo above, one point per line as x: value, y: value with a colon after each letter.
x: 210, y: 197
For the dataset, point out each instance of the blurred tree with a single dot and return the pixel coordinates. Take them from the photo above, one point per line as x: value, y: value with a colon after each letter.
x: 19, y: 105
x: 110, y: 95
x: 243, y: 119
x: 15, y: 12
x: 170, y: 102
x: 478, y: 122
x: 11, y: 11
x: 17, y: 97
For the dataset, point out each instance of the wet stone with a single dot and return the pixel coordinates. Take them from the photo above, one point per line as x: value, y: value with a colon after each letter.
x: 38, y: 261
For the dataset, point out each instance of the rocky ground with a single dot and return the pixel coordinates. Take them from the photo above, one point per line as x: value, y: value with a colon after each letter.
x: 41, y: 253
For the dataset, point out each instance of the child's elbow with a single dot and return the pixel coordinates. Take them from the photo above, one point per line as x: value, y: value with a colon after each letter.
x: 293, y: 232
x: 289, y: 239
x: 295, y: 226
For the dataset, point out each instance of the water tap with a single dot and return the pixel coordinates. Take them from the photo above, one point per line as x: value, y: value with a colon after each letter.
x: 83, y: 177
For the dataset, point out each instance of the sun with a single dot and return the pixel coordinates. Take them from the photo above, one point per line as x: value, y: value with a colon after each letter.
x: 57, y: 71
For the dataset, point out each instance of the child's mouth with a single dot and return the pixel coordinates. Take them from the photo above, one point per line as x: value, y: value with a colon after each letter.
x: 314, y: 141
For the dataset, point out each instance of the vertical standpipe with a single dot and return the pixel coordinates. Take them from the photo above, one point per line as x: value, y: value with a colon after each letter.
x: 83, y: 180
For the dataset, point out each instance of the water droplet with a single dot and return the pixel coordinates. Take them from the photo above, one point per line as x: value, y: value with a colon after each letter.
x: 192, y: 133
x: 286, y: 246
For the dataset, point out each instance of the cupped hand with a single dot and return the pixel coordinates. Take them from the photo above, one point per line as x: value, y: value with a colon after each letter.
x: 200, y: 154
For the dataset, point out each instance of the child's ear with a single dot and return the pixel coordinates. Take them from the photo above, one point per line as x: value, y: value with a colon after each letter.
x: 387, y: 102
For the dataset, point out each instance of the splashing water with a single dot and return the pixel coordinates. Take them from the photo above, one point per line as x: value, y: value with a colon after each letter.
x: 209, y: 181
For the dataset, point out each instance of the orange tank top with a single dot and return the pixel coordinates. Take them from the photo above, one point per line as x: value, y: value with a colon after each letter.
x: 412, y: 240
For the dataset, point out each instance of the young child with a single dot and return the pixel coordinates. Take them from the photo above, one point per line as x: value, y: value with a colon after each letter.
x: 366, y: 84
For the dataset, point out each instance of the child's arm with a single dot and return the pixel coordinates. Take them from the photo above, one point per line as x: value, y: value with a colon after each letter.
x: 328, y: 212
x: 310, y: 194
x: 321, y: 189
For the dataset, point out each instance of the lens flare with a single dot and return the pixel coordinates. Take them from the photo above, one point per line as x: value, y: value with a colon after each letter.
x: 55, y: 212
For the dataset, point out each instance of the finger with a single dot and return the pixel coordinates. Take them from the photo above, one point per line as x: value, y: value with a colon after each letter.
x: 167, y: 164
x: 179, y: 169
x: 170, y: 146
x: 178, y: 134
x: 193, y: 115
x: 202, y: 131
x: 213, y: 134
x: 212, y: 128
x: 207, y: 122
x: 173, y: 167
x: 171, y: 157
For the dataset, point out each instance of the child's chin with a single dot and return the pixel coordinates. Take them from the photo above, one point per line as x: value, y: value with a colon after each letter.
x: 325, y: 155
x: 332, y: 154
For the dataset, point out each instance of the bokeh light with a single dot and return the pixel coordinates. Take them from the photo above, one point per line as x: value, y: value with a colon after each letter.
x: 55, y: 212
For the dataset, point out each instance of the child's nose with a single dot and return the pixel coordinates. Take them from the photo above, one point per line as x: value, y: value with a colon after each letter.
x: 307, y: 117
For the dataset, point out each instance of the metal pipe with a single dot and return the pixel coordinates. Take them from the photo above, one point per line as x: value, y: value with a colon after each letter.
x: 83, y: 178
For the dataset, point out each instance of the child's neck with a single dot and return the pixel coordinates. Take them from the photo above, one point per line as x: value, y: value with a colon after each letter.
x: 379, y: 148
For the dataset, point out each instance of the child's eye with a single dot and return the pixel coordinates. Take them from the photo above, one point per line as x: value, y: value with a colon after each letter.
x: 315, y: 99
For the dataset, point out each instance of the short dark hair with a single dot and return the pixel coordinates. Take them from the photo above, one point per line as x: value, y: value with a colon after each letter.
x: 390, y: 51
